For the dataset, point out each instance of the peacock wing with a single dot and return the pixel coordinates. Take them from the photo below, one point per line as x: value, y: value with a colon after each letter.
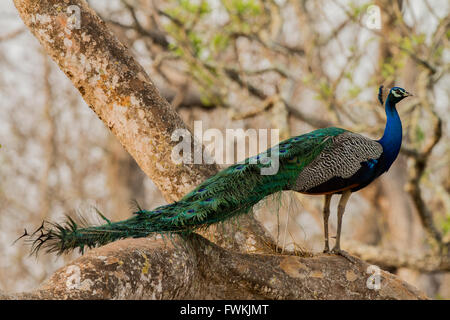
x: 338, y: 162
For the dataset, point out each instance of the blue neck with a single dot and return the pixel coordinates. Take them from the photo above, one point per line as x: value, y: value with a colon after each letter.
x: 392, y: 137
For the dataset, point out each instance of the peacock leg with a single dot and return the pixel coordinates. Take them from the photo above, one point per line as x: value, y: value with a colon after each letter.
x: 326, y: 214
x: 341, y: 209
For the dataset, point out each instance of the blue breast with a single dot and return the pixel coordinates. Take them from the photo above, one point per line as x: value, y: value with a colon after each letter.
x: 392, y: 137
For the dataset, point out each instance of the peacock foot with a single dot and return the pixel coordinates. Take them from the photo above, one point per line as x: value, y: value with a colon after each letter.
x: 336, y: 250
x: 342, y: 253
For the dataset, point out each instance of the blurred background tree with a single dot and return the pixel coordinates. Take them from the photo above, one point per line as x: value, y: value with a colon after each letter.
x: 293, y: 65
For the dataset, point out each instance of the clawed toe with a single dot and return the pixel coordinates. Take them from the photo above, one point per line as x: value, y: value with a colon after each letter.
x: 336, y: 251
x: 344, y: 254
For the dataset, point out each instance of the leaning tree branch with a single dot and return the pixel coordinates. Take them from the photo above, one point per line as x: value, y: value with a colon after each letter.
x: 199, y: 269
x: 117, y: 89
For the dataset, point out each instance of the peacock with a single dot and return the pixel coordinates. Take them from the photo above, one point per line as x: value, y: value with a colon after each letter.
x: 326, y: 162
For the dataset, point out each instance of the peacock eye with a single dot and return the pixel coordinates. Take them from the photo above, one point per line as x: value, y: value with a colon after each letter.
x: 397, y: 93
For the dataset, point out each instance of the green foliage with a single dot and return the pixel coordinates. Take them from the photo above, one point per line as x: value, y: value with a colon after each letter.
x: 420, y: 135
x: 445, y: 225
x: 307, y: 79
x: 202, y: 46
x: 325, y: 91
x: 387, y: 70
x: 390, y: 66
x: 196, y: 43
x: 244, y: 7
x: 418, y: 39
x: 406, y: 43
x: 437, y: 54
x: 205, y: 100
x: 186, y: 11
x: 178, y: 51
x: 354, y: 91
x: 411, y: 43
x: 189, y: 6
x: 219, y: 42
x: 356, y: 10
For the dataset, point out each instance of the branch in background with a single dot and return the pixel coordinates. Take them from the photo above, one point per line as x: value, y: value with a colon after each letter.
x: 414, y: 186
x: 393, y: 259
x: 12, y: 35
x: 426, y: 87
x: 157, y: 36
x: 257, y: 93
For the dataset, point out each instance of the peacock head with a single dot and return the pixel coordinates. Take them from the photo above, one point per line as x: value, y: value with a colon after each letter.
x: 397, y: 94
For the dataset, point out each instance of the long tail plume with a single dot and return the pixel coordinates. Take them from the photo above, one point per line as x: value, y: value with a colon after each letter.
x: 217, y: 199
x: 230, y: 193
x: 76, y: 233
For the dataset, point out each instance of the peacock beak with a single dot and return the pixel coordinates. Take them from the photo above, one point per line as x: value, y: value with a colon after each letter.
x: 408, y: 94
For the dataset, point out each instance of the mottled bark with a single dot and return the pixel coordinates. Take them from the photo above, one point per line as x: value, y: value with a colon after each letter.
x: 199, y: 269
